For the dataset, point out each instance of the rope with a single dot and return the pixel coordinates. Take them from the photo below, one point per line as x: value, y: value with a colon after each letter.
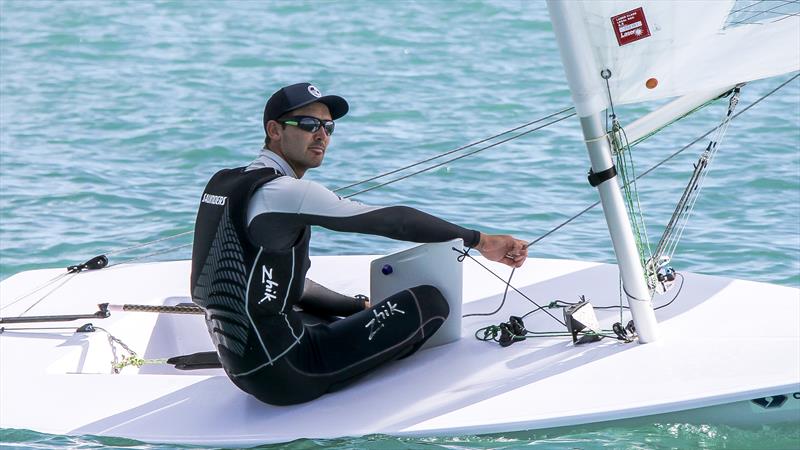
x: 177, y: 309
x: 160, y: 252
x: 630, y: 190
x: 491, y: 332
x: 643, y: 174
x: 746, y: 7
x: 532, y: 242
x: 145, y: 244
x: 117, y: 364
x: 481, y: 141
x: 62, y: 283
x: 465, y: 253
x: 44, y: 285
x: 665, y: 160
x: 621, y: 148
x: 759, y: 13
x: 131, y: 359
x: 505, y: 294
x: 683, y: 210
x: 460, y: 157
x: 464, y: 147
x: 172, y: 249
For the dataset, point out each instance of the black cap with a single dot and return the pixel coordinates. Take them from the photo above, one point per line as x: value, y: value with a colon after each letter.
x: 299, y: 95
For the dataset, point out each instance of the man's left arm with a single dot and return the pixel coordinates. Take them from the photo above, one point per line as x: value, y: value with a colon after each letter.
x: 324, y: 208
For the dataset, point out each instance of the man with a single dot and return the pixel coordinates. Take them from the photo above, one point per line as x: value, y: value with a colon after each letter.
x: 250, y: 258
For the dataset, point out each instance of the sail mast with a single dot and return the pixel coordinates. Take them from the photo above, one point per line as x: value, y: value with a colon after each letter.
x: 590, y: 104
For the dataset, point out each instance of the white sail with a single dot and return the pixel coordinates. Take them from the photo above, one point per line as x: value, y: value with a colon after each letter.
x: 662, y: 49
x: 625, y: 51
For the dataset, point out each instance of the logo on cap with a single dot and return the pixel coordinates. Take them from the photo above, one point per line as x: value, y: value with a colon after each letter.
x: 314, y: 91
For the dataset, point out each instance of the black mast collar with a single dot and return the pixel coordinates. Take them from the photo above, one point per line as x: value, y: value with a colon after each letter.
x: 596, y: 178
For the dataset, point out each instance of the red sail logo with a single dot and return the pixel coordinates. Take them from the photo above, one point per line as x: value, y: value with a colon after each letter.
x: 630, y: 26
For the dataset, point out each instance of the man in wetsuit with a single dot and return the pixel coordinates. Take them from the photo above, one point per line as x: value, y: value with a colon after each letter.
x: 250, y: 259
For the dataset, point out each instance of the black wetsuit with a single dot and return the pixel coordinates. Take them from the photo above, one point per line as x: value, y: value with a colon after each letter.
x: 249, y: 262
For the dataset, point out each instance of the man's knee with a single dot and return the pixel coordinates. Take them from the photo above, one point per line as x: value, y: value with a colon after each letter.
x: 431, y: 301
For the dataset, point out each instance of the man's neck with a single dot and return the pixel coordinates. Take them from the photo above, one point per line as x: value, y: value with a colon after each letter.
x: 284, y: 163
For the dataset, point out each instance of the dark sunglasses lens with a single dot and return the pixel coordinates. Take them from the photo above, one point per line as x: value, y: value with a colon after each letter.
x: 308, y: 124
x: 312, y: 124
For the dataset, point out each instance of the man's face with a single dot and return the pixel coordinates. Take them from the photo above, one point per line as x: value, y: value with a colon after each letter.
x: 301, y: 149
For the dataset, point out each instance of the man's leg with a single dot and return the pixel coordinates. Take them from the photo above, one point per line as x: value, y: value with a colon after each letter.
x: 390, y: 329
x: 323, y: 302
x: 331, y: 356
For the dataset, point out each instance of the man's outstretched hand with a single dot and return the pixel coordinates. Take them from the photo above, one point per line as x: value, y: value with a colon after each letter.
x: 503, y: 248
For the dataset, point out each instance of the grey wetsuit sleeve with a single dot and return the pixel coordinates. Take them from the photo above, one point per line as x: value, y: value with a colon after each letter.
x: 289, y: 204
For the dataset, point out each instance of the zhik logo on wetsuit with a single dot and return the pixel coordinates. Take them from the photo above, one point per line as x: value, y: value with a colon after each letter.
x: 377, y: 322
x: 270, y: 291
x: 218, y: 200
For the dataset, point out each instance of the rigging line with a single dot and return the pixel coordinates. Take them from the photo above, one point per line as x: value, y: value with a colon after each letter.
x: 698, y: 139
x: 624, y: 159
x: 714, y: 147
x: 623, y: 155
x: 559, y: 226
x: 704, y: 164
x: 676, y: 120
x: 62, y: 283
x: 786, y: 16
x: 679, y: 210
x: 668, y: 158
x: 502, y: 302
x: 44, y: 285
x: 484, y: 148
x: 745, y: 7
x: 126, y: 249
x: 646, y: 172
x: 636, y: 193
x: 555, y: 304
x: 145, y: 244
x: 460, y: 156
x: 464, y: 147
x: 763, y: 12
x: 562, y: 224
x: 675, y: 296
x: 508, y: 284
x: 603, y: 307
x: 752, y: 5
x: 160, y: 252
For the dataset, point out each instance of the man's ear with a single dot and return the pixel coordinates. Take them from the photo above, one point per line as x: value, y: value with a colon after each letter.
x: 274, y: 130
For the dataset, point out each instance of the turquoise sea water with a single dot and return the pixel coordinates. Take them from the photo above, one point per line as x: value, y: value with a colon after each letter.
x: 113, y: 115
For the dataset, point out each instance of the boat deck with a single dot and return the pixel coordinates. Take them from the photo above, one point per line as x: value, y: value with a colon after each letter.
x: 723, y: 343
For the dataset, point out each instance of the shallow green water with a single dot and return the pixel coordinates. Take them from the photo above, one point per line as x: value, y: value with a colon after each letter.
x: 657, y: 436
x: 114, y: 114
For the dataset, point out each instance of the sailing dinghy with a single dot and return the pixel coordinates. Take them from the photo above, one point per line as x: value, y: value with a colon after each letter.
x: 684, y: 348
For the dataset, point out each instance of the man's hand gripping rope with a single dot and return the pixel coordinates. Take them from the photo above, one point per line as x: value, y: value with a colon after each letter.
x: 503, y: 248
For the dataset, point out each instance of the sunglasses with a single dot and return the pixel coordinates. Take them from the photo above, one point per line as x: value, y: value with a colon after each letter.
x: 309, y: 123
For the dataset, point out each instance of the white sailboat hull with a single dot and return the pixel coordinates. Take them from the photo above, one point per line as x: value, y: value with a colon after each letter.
x: 725, y: 344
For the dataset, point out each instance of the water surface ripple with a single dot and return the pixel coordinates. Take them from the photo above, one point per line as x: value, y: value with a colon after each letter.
x: 113, y: 115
